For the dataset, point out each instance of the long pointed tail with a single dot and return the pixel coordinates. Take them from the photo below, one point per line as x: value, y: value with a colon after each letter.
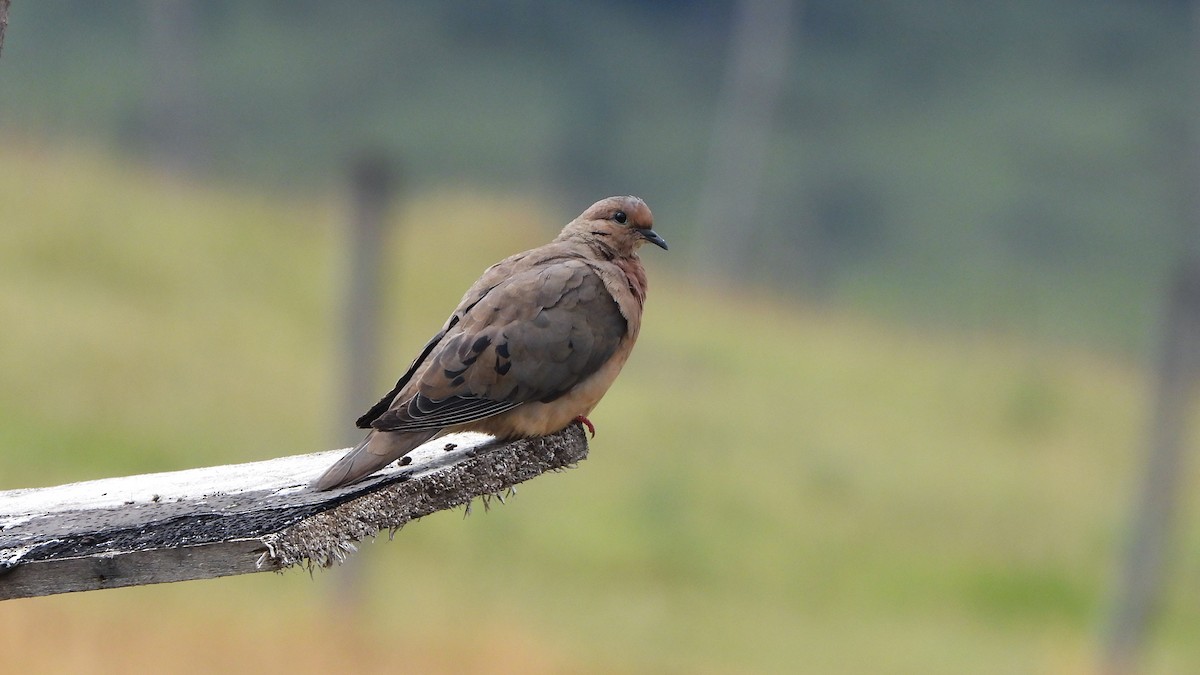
x: 376, y: 451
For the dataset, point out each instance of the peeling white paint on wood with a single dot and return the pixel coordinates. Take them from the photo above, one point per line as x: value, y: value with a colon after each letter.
x: 282, y: 475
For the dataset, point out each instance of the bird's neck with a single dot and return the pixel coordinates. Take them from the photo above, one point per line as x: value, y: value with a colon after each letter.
x: 635, y: 274
x: 603, y: 250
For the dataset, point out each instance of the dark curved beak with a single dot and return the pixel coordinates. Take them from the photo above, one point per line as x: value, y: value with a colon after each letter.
x: 652, y: 237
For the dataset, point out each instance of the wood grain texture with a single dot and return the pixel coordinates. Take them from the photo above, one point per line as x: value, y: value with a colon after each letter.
x: 237, y: 519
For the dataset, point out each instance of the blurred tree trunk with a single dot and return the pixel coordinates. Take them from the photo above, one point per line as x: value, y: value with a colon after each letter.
x: 1144, y: 566
x: 741, y: 142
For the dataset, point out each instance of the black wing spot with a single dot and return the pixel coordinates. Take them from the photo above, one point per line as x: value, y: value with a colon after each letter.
x: 481, y: 343
x: 457, y: 381
x: 502, y: 351
x: 453, y: 374
x: 503, y: 368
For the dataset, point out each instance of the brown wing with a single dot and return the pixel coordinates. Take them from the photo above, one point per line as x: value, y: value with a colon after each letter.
x: 532, y: 337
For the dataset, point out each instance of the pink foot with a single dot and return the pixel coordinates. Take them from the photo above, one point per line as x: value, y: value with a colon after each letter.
x: 587, y: 423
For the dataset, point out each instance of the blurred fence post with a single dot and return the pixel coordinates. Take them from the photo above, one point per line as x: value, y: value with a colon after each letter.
x: 174, y: 121
x: 1144, y: 565
x: 373, y: 179
x: 1138, y: 589
x: 372, y: 183
x: 755, y: 77
x: 3, y: 21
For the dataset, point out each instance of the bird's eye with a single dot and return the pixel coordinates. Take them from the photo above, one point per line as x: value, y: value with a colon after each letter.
x: 620, y: 217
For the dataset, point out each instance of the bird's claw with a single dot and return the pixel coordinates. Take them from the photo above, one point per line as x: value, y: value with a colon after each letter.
x: 587, y: 423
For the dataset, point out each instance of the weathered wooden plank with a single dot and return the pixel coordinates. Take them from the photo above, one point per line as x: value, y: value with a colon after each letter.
x: 236, y: 519
x: 132, y: 568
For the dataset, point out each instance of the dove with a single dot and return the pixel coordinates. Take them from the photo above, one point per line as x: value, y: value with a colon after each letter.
x: 532, y: 347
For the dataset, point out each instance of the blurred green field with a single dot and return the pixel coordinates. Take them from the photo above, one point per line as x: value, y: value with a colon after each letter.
x: 775, y: 487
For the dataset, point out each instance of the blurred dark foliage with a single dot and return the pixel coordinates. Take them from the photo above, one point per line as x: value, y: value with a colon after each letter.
x: 1017, y: 163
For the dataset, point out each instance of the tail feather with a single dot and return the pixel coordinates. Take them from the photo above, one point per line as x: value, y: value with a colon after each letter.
x: 376, y: 451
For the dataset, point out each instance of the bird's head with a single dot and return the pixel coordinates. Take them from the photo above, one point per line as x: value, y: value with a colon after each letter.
x: 621, y: 224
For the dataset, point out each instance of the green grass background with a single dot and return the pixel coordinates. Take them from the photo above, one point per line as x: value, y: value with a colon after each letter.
x: 775, y: 487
